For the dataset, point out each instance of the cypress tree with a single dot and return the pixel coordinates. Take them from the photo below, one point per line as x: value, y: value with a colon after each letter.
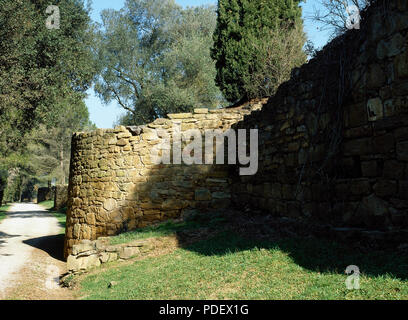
x: 243, y: 27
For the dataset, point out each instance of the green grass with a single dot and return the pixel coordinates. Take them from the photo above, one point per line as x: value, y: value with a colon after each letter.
x: 167, y: 228
x: 60, y: 214
x: 228, y: 266
x: 3, y: 212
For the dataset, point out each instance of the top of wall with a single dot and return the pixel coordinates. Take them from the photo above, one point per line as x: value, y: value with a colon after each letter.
x: 198, y: 113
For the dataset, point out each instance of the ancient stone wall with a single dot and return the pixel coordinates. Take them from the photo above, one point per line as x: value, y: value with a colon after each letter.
x: 45, y: 194
x: 60, y: 196
x: 115, y: 186
x: 334, y: 139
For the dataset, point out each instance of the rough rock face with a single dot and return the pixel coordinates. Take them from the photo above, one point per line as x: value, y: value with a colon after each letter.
x: 334, y: 139
x: 89, y: 254
x: 115, y: 186
x: 60, y: 197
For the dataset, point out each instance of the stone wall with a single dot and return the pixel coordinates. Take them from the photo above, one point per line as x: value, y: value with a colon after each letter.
x: 114, y: 186
x: 60, y: 197
x: 45, y: 194
x: 89, y: 254
x: 334, y: 139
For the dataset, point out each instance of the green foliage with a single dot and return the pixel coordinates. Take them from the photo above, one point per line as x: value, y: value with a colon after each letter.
x: 155, y: 59
x: 38, y: 66
x: 242, y: 45
x: 213, y: 221
x: 3, y: 210
x: 43, y: 78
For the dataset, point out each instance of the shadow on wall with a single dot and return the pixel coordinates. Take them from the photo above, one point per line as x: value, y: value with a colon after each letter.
x: 115, y: 185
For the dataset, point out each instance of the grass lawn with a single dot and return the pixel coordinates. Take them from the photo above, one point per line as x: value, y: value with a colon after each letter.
x: 3, y: 211
x: 227, y: 266
x: 60, y: 215
x: 166, y: 229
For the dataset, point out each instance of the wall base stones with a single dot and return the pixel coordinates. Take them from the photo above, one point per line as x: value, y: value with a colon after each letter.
x: 89, y: 254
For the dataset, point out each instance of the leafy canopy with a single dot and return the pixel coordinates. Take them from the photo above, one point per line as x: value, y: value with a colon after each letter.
x: 38, y: 66
x: 155, y: 59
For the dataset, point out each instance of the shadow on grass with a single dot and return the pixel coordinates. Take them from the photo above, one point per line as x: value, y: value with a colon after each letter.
x: 318, y: 255
x: 216, y: 238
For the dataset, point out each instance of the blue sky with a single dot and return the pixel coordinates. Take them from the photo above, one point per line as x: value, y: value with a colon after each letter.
x: 105, y: 115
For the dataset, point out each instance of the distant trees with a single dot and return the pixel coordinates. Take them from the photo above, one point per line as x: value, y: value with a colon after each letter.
x: 256, y: 44
x: 155, y: 59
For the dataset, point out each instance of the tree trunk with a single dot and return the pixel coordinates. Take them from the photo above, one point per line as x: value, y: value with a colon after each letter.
x: 62, y: 164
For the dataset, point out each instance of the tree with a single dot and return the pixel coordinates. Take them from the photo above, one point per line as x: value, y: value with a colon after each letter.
x: 40, y: 70
x: 339, y: 15
x: 50, y: 147
x: 245, y: 27
x: 155, y: 59
x: 38, y: 66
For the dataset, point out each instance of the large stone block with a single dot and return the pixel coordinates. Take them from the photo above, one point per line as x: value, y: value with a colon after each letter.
x: 402, y: 151
x: 358, y: 146
x: 202, y: 195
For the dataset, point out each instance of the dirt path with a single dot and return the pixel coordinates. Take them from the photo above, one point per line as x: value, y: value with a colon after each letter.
x: 31, y: 254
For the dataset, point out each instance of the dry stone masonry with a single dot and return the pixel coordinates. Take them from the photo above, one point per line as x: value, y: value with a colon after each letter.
x: 334, y: 139
x: 60, y: 196
x: 115, y: 186
x: 88, y: 254
x: 333, y: 147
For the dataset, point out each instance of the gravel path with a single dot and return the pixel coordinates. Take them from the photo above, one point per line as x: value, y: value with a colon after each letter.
x: 30, y: 254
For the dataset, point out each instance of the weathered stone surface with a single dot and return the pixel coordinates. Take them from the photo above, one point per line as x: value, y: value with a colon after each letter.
x: 402, y: 150
x: 202, y: 195
x: 110, y: 204
x: 375, y: 109
x: 369, y: 168
x: 82, y: 263
x: 108, y: 257
x: 358, y: 146
x: 385, y: 188
x: 393, y: 169
x: 375, y: 205
x: 128, y: 252
x: 384, y: 143
x: 81, y: 248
